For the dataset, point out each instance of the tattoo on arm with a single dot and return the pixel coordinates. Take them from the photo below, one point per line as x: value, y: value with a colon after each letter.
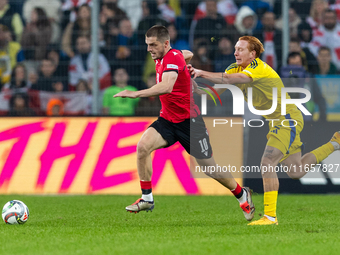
x: 268, y: 153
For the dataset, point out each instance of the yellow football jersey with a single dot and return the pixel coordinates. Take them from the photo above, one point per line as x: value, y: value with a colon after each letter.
x: 264, y: 80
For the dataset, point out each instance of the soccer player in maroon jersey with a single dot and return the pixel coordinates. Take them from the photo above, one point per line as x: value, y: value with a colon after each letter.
x: 179, y: 120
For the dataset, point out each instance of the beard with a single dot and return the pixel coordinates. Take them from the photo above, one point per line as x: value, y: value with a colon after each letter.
x: 330, y: 26
x: 159, y: 55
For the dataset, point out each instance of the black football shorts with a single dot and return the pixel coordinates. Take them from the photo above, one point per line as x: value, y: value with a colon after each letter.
x: 191, y: 134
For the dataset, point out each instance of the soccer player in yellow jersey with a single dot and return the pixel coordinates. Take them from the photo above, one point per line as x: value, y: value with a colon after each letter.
x: 284, y: 144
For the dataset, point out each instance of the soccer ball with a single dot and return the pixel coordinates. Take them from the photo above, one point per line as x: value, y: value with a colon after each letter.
x: 15, y: 212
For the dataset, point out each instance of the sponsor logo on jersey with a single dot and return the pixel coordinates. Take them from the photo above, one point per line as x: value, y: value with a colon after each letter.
x: 171, y: 66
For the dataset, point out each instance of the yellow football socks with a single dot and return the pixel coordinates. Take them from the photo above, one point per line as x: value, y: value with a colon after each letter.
x: 270, y: 200
x: 323, y: 152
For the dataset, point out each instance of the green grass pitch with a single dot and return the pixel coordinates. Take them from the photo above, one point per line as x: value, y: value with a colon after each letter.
x: 308, y: 224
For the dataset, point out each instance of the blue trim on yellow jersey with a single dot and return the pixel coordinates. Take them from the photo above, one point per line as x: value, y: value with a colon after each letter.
x: 253, y: 64
x: 292, y: 130
x: 232, y: 66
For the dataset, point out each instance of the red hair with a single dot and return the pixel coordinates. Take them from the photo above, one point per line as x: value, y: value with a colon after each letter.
x: 253, y: 44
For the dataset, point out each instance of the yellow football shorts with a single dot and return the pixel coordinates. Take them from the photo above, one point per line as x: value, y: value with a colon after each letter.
x: 284, y: 133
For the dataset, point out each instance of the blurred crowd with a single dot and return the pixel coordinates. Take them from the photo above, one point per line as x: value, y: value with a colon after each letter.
x: 46, y: 61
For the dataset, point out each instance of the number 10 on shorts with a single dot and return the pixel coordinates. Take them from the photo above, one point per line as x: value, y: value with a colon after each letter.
x: 204, y: 145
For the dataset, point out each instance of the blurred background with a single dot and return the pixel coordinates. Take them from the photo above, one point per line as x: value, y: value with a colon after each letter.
x: 69, y: 57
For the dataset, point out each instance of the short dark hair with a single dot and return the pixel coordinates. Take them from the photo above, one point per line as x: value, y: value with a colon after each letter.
x: 160, y: 32
x: 294, y: 40
x: 324, y: 48
x: 293, y: 55
x: 82, y: 35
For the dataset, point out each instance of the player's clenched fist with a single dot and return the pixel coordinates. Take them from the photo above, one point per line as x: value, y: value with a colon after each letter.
x: 127, y: 93
x: 193, y: 71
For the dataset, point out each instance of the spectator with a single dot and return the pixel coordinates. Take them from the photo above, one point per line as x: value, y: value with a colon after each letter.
x: 110, y: 15
x: 201, y: 59
x: 328, y: 35
x: 325, y: 65
x: 81, y: 65
x: 167, y: 13
x: 46, y: 76
x: 260, y: 8
x: 58, y: 86
x: 19, y: 105
x: 110, y: 31
x: 302, y: 7
x: 125, y: 40
x: 272, y: 40
x: 19, y: 77
x: 175, y: 40
x: 149, y: 106
x: 70, y: 7
x: 151, y: 17
x: 227, y: 8
x: 11, y: 19
x: 81, y: 27
x: 295, y: 75
x: 126, y: 51
x: 8, y: 54
x: 83, y: 86
x: 335, y: 5
x: 133, y: 10
x: 9, y: 48
x: 305, y: 34
x: 294, y: 22
x: 308, y: 60
x: 119, y: 106
x: 225, y: 55
x: 246, y: 20
x: 37, y: 35
x: 210, y: 26
x: 316, y: 12
x: 52, y: 10
x: 55, y: 108
x: 61, y: 63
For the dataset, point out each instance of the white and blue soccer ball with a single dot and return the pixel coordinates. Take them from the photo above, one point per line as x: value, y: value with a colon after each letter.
x: 15, y: 212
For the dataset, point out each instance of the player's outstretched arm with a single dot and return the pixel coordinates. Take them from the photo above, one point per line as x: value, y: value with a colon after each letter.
x: 220, y: 78
x: 164, y: 87
x: 187, y: 55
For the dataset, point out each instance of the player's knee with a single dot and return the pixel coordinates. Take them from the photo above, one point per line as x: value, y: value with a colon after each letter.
x: 142, y: 149
x: 295, y: 171
x: 293, y: 176
x: 210, y: 174
x: 266, y: 162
